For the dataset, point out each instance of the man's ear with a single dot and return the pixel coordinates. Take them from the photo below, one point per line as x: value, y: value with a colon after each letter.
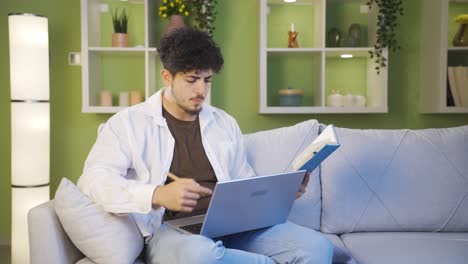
x: 166, y: 77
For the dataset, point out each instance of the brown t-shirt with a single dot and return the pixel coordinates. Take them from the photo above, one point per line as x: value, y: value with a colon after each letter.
x: 189, y: 160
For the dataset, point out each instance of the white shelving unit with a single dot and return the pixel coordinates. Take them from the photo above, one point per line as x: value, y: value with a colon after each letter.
x: 101, y: 62
x: 313, y: 63
x: 438, y: 29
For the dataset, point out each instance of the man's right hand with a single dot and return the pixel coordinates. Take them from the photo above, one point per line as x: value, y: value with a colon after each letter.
x: 181, y: 195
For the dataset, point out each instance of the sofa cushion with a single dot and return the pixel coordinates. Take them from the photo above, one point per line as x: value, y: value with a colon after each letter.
x: 101, y: 236
x: 408, y: 248
x: 340, y: 253
x: 396, y: 180
x: 45, y: 229
x: 272, y: 151
x: 88, y: 261
x: 85, y: 261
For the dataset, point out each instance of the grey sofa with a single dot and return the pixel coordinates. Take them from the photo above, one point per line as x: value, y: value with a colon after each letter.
x: 385, y: 196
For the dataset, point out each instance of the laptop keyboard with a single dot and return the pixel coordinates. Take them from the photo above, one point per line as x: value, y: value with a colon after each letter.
x: 194, y: 229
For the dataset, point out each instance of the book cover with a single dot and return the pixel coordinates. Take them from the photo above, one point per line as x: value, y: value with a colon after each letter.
x: 324, y: 145
x: 462, y: 82
x: 463, y: 88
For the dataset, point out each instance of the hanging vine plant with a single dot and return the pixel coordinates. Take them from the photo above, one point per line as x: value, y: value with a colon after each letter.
x: 205, y: 17
x: 387, y: 21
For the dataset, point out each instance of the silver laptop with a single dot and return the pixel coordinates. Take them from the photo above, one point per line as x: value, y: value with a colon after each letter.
x: 245, y: 204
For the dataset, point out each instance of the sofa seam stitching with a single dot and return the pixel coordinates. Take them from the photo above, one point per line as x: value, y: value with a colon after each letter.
x: 373, y: 193
x: 443, y: 154
x: 453, y: 213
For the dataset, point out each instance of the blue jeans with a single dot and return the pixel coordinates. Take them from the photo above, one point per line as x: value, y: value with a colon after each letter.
x: 284, y: 243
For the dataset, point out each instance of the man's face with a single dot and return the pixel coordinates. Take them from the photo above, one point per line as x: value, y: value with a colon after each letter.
x: 189, y: 89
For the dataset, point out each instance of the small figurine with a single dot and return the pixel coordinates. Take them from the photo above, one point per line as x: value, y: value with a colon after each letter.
x: 292, y: 40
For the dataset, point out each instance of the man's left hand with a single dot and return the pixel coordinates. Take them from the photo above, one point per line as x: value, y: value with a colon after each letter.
x: 305, y: 181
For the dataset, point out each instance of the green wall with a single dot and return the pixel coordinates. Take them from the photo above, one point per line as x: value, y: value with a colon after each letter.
x: 235, y: 89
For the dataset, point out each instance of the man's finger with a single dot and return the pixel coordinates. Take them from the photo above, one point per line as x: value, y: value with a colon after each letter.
x: 186, y: 209
x: 306, y: 178
x: 203, y: 191
x: 299, y: 194
x: 191, y: 195
x: 189, y: 203
x: 302, y: 189
x: 172, y: 176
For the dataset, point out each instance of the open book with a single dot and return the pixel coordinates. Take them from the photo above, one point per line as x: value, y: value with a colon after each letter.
x: 317, y: 151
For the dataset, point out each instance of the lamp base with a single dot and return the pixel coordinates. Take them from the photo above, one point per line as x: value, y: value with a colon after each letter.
x: 22, y: 200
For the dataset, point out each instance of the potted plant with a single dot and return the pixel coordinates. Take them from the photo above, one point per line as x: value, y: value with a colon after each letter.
x: 175, y: 11
x: 387, y: 21
x: 120, y: 23
x: 461, y: 37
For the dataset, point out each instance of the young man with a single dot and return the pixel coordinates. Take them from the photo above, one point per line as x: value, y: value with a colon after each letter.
x: 161, y: 159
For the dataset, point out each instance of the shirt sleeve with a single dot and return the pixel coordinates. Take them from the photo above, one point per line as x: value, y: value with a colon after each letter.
x: 104, y: 179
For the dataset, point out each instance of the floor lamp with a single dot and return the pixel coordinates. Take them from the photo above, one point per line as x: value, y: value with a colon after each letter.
x: 30, y: 123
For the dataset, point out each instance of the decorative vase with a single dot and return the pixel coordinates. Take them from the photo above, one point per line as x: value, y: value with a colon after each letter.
x: 120, y: 40
x: 333, y: 37
x: 461, y: 37
x: 354, y: 35
x: 175, y: 22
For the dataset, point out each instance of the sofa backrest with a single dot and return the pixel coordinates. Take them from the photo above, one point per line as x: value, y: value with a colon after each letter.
x: 396, y: 180
x: 272, y: 151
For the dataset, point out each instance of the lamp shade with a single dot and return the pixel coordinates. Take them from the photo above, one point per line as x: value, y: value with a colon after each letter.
x: 30, y: 124
x: 29, y: 57
x: 29, y: 144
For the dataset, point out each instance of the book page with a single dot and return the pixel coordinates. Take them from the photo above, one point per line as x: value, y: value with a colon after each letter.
x: 308, y: 153
x: 326, y: 137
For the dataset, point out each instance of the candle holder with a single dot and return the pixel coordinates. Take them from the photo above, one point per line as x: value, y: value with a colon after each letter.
x: 106, y: 98
x: 292, y: 40
x: 135, y: 97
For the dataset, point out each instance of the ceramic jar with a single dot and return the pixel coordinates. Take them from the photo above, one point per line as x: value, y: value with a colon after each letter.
x: 360, y: 100
x: 348, y: 100
x: 335, y: 99
x: 290, y: 97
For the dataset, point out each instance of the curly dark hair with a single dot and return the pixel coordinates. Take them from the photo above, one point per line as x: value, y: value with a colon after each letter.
x: 187, y: 49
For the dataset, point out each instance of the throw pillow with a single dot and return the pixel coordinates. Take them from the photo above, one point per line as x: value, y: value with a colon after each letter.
x: 101, y: 236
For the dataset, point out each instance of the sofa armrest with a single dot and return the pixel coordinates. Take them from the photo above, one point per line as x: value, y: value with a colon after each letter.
x: 48, y: 242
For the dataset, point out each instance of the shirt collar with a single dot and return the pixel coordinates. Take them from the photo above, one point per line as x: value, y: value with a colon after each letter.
x: 153, y: 107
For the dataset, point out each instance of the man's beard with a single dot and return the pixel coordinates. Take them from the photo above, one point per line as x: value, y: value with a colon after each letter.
x: 190, y: 111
